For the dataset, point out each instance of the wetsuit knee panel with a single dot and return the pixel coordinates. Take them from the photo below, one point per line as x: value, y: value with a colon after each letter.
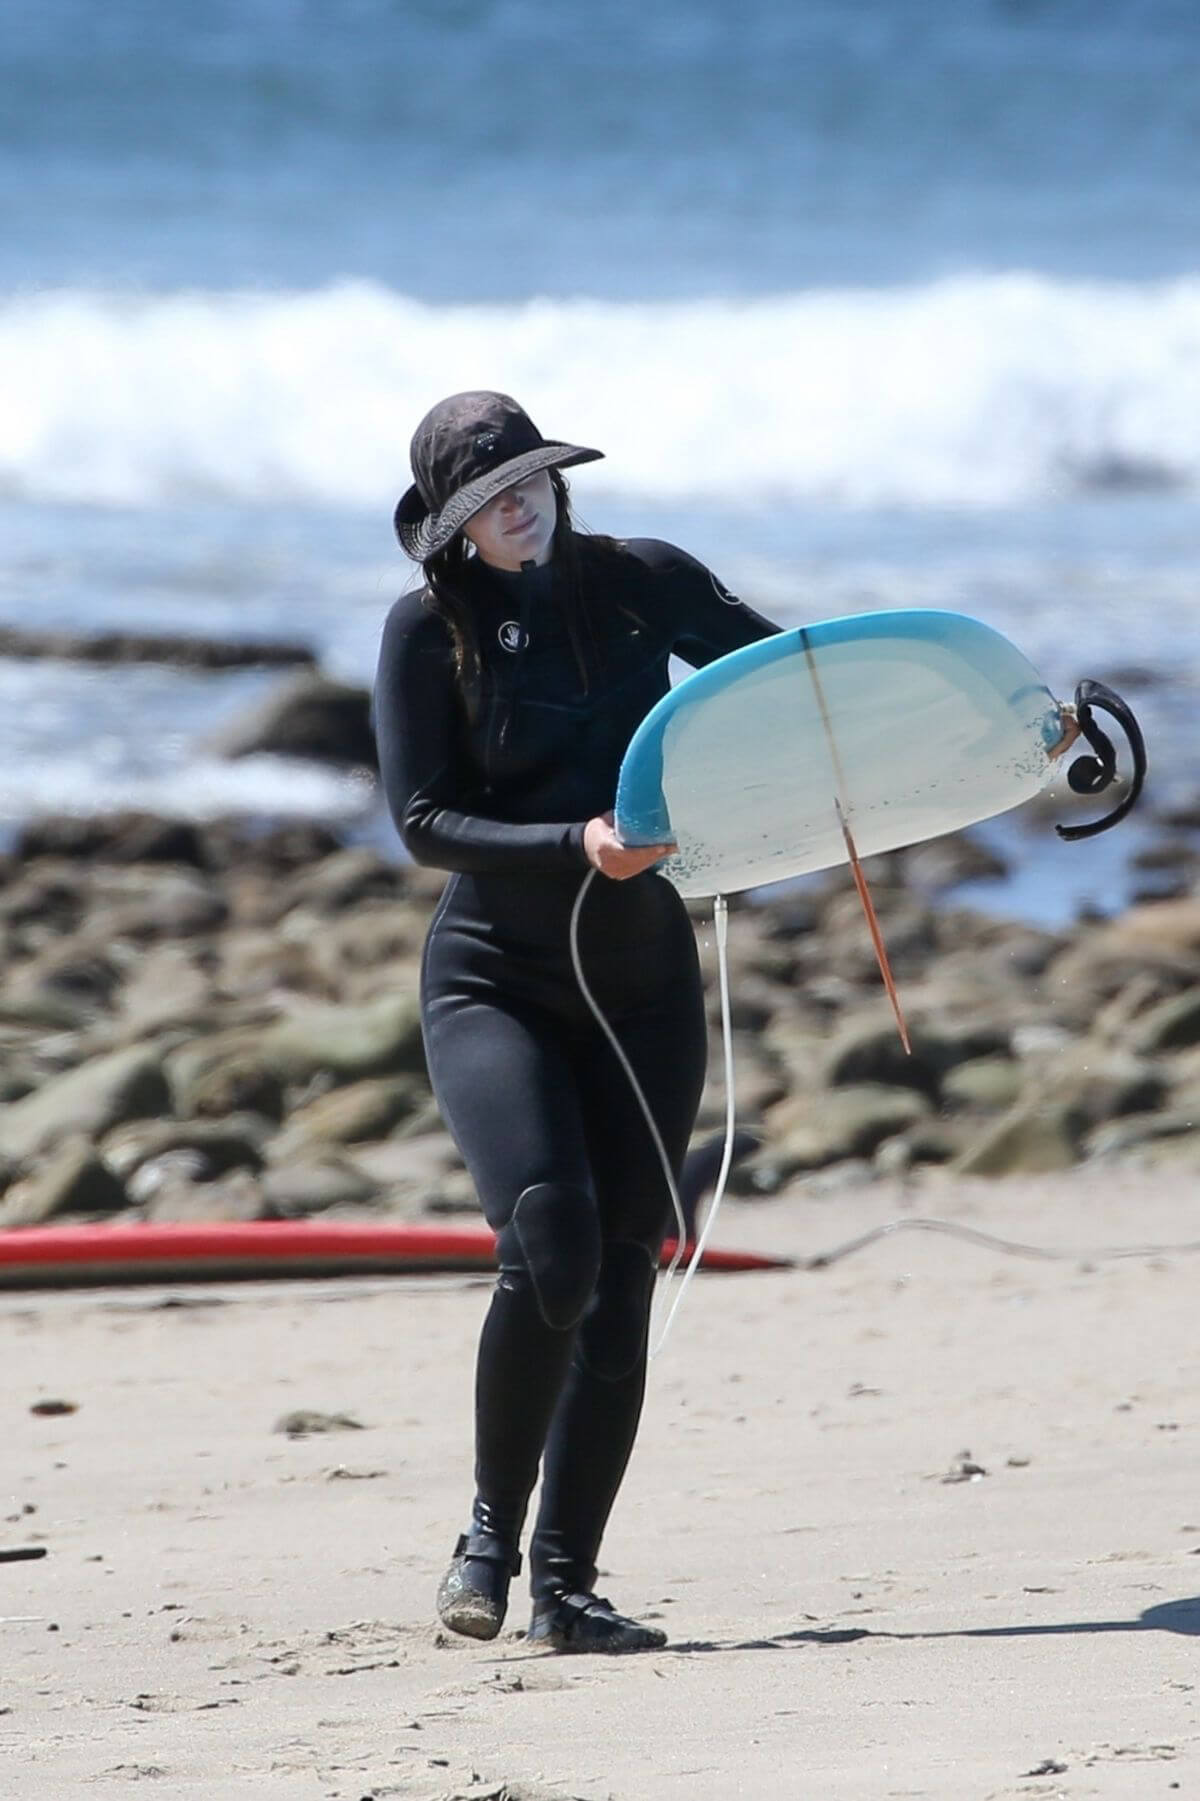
x: 554, y: 1235
x: 613, y: 1336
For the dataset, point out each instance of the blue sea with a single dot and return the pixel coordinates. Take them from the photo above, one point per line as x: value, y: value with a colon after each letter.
x: 874, y: 304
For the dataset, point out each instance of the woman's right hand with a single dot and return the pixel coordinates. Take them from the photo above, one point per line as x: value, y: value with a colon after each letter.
x: 605, y: 852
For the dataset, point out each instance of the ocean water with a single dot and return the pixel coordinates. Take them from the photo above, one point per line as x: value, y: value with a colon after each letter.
x: 890, y: 304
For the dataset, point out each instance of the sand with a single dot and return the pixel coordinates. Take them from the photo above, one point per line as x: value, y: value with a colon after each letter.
x: 226, y: 1611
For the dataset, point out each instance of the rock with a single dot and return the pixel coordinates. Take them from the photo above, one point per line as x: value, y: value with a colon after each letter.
x: 234, y: 1084
x: 44, y: 1008
x: 797, y: 1048
x: 991, y: 1082
x: 77, y: 971
x: 216, y: 1145
x: 809, y: 1131
x: 1172, y: 1159
x: 237, y: 1196
x: 377, y: 942
x: 844, y: 945
x: 869, y: 1050
x: 1167, y: 854
x: 178, y: 650
x: 988, y: 980
x: 17, y: 1078
x: 309, y: 716
x: 240, y: 849
x: 100, y: 1094
x: 1117, y: 1136
x: 170, y: 904
x: 1182, y: 815
x: 337, y: 1044
x: 1100, y: 1083
x: 106, y: 903
x: 1171, y: 1025
x: 758, y: 1084
x: 752, y: 1003
x: 114, y: 838
x: 304, y: 1421
x: 1162, y: 884
x: 207, y: 1067
x: 174, y: 1169
x: 294, y: 1189
x: 1097, y: 967
x: 788, y: 913
x: 50, y: 897
x: 354, y: 1114
x: 1164, y: 925
x: 73, y: 1179
x: 1022, y: 955
x: 277, y: 968
x: 1155, y: 946
x: 946, y: 862
x: 1033, y: 1137
x: 166, y: 985
x: 1185, y: 1067
x: 452, y: 1195
x: 929, y: 1141
x: 1041, y: 1038
x: 340, y: 881
x: 262, y: 962
x: 380, y: 1038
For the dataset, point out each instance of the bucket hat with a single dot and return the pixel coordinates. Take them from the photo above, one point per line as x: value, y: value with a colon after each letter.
x: 466, y: 450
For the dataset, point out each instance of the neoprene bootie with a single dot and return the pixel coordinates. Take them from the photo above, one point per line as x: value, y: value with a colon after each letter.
x: 472, y: 1597
x: 586, y: 1622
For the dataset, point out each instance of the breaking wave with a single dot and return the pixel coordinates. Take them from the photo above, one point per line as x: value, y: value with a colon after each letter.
x: 977, y: 391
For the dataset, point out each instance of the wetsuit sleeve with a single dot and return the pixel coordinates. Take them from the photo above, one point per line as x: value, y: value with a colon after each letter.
x: 416, y: 733
x: 708, y: 621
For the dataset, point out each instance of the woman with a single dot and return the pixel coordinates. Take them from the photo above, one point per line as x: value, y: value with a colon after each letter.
x: 508, y: 689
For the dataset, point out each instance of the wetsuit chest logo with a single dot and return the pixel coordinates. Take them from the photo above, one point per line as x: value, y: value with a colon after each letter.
x: 511, y: 636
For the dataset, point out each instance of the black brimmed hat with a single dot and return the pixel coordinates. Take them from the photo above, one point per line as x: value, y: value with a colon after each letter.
x: 466, y: 450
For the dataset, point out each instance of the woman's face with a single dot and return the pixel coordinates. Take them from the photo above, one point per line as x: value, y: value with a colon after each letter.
x: 518, y: 525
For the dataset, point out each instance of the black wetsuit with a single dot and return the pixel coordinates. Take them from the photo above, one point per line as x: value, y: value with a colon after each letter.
x: 545, y: 1118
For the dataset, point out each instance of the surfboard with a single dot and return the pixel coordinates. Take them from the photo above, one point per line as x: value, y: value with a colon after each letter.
x: 152, y: 1251
x: 902, y: 724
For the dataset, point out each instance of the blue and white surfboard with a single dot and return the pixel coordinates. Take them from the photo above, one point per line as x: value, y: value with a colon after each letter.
x: 915, y: 722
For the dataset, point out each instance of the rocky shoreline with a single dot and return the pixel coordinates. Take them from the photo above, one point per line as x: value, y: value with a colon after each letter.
x: 208, y: 1021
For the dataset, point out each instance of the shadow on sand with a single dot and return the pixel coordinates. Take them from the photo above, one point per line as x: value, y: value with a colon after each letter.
x: 1169, y: 1616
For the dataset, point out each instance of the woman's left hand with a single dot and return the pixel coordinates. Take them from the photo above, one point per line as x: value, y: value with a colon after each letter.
x: 605, y: 851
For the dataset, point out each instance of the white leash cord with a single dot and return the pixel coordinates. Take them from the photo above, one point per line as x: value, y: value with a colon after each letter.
x: 720, y: 921
x: 721, y: 933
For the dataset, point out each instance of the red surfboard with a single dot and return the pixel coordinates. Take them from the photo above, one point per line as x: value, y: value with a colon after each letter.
x: 92, y: 1255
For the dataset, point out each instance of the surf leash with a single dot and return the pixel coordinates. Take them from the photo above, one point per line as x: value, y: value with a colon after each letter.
x: 721, y: 925
x: 721, y: 933
x: 841, y: 808
x: 1092, y: 774
x: 618, y: 1050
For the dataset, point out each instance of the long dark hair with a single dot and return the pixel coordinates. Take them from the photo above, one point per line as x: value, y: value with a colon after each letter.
x: 450, y: 575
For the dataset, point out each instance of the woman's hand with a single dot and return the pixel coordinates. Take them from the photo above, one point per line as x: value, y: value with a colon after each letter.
x: 605, y: 852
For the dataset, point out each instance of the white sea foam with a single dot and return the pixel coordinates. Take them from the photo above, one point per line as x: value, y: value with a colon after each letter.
x: 980, y: 390
x: 275, y: 787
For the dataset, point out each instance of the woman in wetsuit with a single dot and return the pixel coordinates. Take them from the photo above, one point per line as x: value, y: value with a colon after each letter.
x: 508, y: 689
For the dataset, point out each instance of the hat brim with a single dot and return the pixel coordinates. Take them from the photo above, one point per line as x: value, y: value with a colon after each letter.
x: 422, y: 533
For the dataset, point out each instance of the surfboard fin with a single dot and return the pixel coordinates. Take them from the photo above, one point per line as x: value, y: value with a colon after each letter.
x: 868, y: 907
x: 1092, y: 774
